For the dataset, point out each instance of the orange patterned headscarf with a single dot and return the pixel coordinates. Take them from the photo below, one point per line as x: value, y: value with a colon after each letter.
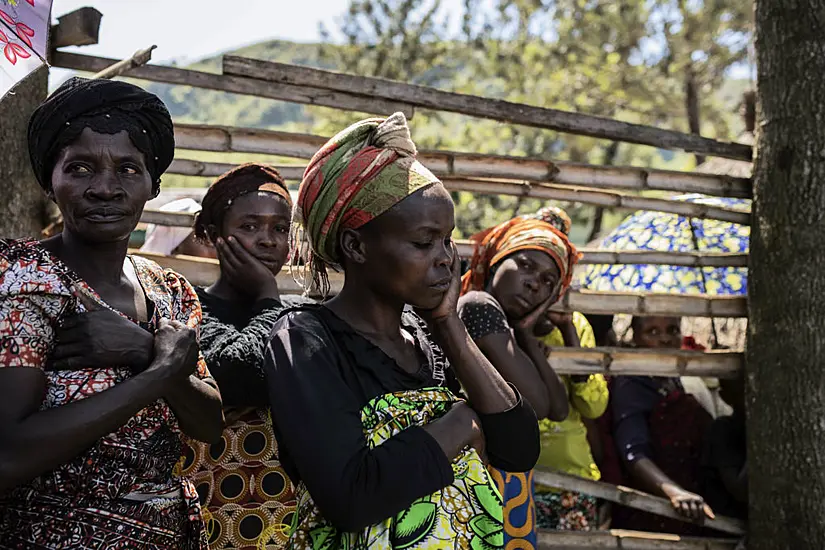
x: 494, y: 244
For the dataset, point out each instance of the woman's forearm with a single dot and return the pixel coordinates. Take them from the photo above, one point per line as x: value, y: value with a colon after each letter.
x: 42, y: 440
x: 198, y: 408
x: 651, y: 477
x: 558, y: 401
x: 488, y: 392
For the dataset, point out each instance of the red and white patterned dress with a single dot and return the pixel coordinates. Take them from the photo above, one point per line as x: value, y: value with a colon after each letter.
x: 122, y: 492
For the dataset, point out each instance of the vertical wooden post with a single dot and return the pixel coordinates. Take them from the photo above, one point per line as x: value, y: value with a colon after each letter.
x: 22, y: 202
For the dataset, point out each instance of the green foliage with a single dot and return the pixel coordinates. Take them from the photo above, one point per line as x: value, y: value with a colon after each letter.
x: 625, y: 59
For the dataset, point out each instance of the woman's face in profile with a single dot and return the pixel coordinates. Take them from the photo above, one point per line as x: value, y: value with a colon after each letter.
x: 101, y: 183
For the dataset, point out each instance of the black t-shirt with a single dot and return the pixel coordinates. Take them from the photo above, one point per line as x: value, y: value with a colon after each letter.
x: 482, y: 315
x: 725, y: 447
x: 321, y: 373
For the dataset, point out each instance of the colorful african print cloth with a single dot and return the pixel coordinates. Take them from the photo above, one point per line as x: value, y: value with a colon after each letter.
x: 662, y: 232
x: 122, y: 492
x: 496, y: 243
x: 466, y: 514
x: 516, y: 489
x: 247, y: 497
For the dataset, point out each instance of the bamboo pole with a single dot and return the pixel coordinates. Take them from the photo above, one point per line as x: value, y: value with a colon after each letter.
x: 205, y: 271
x: 576, y: 300
x: 590, y: 255
x: 630, y: 498
x: 140, y: 58
x: 610, y: 199
x: 616, y: 539
x: 646, y: 362
x: 640, y: 304
x: 495, y: 109
x: 449, y: 163
x: 599, y: 198
x: 237, y: 85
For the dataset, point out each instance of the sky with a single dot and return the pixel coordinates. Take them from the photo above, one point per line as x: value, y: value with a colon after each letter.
x: 188, y: 30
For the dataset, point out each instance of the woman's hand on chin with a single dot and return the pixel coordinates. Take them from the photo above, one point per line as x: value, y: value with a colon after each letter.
x: 448, y: 307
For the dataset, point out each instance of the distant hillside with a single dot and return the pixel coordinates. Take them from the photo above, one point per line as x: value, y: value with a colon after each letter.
x: 210, y: 107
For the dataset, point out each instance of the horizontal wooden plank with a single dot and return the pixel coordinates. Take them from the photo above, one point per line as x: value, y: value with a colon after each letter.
x: 610, y: 199
x: 205, y: 271
x: 590, y: 255
x: 238, y: 85
x: 646, y: 362
x: 495, y: 109
x: 678, y: 305
x: 616, y: 539
x: 630, y: 498
x: 577, y: 300
x: 449, y: 163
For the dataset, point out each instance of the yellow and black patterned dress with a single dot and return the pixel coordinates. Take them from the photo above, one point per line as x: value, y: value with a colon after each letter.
x: 247, y: 498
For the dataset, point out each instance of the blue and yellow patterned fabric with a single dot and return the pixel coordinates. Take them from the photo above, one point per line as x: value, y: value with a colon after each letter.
x: 662, y: 232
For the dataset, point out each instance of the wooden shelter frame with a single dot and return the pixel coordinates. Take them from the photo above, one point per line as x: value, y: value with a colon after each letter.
x: 495, y: 174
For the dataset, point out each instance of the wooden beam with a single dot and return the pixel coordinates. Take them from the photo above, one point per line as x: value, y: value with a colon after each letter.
x: 646, y: 362
x: 205, y: 271
x: 576, y: 300
x: 237, y: 85
x: 640, y: 304
x: 449, y: 163
x: 591, y: 255
x: 616, y: 539
x: 191, y: 167
x: 610, y: 199
x: 77, y: 28
x: 630, y: 498
x: 495, y: 109
x: 139, y: 58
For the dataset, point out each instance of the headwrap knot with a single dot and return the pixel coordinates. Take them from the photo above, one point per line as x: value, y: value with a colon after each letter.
x: 496, y: 243
x: 355, y: 177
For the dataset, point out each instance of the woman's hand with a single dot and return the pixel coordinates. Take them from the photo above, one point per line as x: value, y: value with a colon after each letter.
x: 449, y: 303
x: 176, y: 350
x: 245, y: 272
x: 99, y: 337
x: 525, y: 326
x: 688, y: 504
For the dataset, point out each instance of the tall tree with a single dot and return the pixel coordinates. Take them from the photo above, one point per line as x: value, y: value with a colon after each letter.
x: 786, y: 388
x: 23, y: 206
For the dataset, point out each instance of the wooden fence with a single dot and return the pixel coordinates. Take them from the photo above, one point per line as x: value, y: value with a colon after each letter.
x: 504, y: 175
x: 467, y: 165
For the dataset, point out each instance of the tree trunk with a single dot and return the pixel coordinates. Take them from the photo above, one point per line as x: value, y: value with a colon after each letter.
x: 23, y: 204
x: 692, y: 106
x: 786, y: 387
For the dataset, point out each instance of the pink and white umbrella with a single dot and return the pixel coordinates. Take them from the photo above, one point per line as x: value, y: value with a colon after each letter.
x: 24, y: 33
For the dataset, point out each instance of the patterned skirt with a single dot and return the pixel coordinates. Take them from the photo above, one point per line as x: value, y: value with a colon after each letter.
x: 519, y: 508
x: 248, y: 501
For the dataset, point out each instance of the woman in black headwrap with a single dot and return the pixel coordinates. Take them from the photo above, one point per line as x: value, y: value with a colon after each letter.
x: 100, y: 371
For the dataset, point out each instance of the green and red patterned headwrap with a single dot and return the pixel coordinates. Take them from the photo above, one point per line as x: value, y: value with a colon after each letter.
x: 355, y: 177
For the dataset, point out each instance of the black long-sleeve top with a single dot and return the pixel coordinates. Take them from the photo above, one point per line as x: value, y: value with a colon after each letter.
x: 233, y: 337
x: 321, y: 373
